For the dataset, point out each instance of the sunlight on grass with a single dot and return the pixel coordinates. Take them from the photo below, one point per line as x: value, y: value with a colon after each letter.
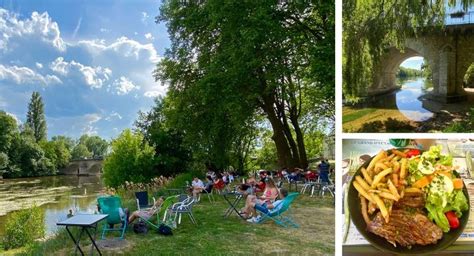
x: 357, y: 114
x: 215, y: 235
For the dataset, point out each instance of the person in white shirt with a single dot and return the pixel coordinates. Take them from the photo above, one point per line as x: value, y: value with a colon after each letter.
x: 197, y: 186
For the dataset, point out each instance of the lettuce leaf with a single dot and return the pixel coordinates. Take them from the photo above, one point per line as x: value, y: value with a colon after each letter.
x: 436, y: 214
x: 457, y: 203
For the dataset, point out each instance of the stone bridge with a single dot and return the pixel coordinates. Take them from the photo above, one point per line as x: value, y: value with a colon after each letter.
x: 83, y: 167
x: 449, y: 53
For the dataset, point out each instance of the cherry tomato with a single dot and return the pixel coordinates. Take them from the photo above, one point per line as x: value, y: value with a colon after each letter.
x: 412, y: 152
x: 452, y: 219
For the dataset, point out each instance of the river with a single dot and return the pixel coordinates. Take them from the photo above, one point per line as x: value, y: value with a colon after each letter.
x: 403, y: 105
x: 55, y: 194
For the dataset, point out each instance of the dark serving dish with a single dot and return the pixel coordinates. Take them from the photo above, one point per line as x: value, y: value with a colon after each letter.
x: 382, y: 244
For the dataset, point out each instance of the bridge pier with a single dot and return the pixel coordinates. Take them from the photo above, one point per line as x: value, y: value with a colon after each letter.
x: 448, y: 89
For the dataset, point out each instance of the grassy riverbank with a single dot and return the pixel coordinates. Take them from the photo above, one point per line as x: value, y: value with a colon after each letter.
x: 215, y: 235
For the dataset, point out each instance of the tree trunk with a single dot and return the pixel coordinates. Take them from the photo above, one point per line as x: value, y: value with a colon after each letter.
x: 289, y: 137
x: 283, y: 150
x: 299, y: 137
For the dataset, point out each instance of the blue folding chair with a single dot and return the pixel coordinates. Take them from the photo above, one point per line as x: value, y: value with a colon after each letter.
x: 142, y: 200
x: 278, y: 216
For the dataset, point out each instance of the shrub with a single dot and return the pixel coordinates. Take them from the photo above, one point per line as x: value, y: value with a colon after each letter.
x: 131, y: 160
x: 180, y: 179
x: 23, y: 227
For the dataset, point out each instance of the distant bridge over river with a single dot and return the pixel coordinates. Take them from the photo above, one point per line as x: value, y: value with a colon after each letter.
x: 83, y: 167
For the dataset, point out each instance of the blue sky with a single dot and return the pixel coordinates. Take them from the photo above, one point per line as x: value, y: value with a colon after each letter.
x: 92, y: 62
x: 413, y: 62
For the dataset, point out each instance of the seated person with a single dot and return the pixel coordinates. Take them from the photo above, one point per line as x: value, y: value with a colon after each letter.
x: 225, y: 178
x: 311, y: 176
x: 148, y: 213
x: 294, y: 175
x: 218, y: 182
x: 269, y: 195
x: 267, y: 208
x: 248, y: 188
x: 209, y: 184
x: 197, y: 187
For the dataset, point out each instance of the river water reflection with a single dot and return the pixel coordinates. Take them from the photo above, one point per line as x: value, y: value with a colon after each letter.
x: 55, y: 194
x: 406, y: 100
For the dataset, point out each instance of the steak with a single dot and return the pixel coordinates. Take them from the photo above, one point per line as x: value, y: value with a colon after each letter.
x: 413, y: 201
x: 406, y: 228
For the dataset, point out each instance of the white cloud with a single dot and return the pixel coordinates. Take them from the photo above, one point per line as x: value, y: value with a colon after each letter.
x: 124, y: 86
x: 145, y: 17
x: 149, y: 36
x: 113, y: 115
x: 122, y: 46
x: 89, y: 121
x: 152, y: 94
x: 94, y: 77
x: 39, y: 65
x: 39, y: 26
x: 24, y: 75
x: 104, y: 30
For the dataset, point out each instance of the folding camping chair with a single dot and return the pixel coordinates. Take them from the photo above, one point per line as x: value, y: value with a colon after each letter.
x: 142, y: 200
x: 278, y: 216
x: 112, y: 206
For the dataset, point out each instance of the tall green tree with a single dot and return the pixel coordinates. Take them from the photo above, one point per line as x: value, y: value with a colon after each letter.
x: 232, y: 60
x: 95, y: 144
x: 131, y: 159
x: 35, y: 117
x: 8, y: 127
x: 67, y: 141
x: 172, y: 155
x: 80, y: 151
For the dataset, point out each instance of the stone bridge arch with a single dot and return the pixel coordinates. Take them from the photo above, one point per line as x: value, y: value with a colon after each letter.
x: 449, y: 54
x: 83, y: 167
x: 385, y: 79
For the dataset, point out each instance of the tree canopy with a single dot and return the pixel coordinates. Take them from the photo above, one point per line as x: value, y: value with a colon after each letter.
x: 131, y: 159
x: 25, y: 150
x: 231, y: 63
x: 35, y: 118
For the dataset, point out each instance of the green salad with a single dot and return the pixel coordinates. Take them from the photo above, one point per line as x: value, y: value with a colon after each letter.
x: 434, y: 173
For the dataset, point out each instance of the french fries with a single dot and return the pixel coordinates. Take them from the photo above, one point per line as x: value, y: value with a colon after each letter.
x: 383, y: 183
x: 363, y: 206
x: 362, y: 191
x: 381, y: 206
x: 379, y: 177
x: 403, y: 168
x: 379, y: 156
x: 366, y: 175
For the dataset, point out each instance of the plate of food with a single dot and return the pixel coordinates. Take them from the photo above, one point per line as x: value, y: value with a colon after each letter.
x: 409, y: 202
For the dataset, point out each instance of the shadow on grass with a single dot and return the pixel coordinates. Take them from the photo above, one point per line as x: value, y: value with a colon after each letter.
x: 389, y: 125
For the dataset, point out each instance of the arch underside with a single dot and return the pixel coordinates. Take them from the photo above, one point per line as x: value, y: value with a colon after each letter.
x: 449, y: 58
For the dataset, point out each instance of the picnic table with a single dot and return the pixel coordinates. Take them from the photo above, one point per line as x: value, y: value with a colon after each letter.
x: 85, y: 222
x: 232, y: 203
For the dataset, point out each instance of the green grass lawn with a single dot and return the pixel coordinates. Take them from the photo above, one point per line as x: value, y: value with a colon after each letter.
x: 215, y: 235
x: 357, y: 114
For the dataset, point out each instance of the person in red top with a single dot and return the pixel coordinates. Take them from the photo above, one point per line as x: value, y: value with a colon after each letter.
x: 219, y: 184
